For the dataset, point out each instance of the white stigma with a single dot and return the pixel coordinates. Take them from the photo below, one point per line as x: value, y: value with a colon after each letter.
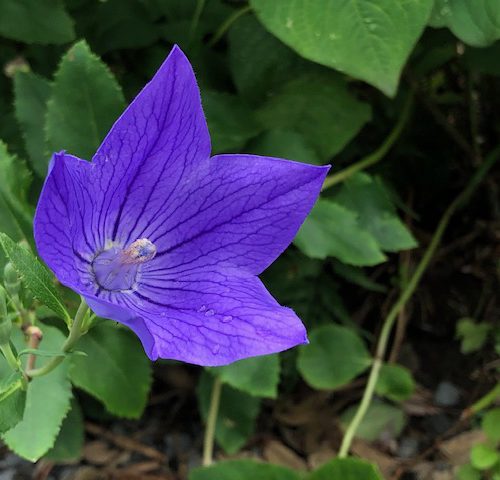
x: 140, y: 251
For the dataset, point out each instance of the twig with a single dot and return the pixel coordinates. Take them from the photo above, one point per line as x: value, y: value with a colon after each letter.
x: 406, y: 294
x: 126, y: 443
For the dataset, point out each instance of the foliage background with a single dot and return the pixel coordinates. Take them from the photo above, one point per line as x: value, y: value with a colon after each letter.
x: 400, y: 96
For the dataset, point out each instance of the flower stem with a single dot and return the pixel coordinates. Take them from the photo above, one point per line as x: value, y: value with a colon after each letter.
x: 227, y: 24
x: 405, y: 295
x: 208, y: 441
x: 10, y: 357
x: 378, y: 154
x: 74, y: 334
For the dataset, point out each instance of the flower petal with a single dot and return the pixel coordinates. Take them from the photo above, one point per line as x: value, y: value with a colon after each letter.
x: 242, y: 210
x: 63, y: 219
x: 151, y: 149
x: 208, y: 318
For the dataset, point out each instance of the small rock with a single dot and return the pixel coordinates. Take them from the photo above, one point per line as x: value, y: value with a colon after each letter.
x: 8, y: 474
x: 408, y: 447
x: 446, y: 394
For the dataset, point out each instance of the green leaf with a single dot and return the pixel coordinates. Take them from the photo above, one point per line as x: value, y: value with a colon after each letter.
x: 230, y: 121
x: 14, y: 189
x: 237, y: 413
x: 368, y: 40
x: 12, y: 401
x: 395, y: 382
x: 335, y: 356
x: 124, y: 372
x: 483, y: 456
x: 472, y: 335
x: 47, y: 403
x: 36, y: 277
x: 31, y: 95
x: 85, y: 101
x: 244, y: 470
x: 258, y: 376
x: 346, y: 469
x: 475, y: 22
x: 258, y: 61
x: 468, y: 472
x: 491, y: 424
x: 35, y: 21
x: 16, y: 216
x: 369, y: 199
x: 333, y: 230
x: 380, y: 420
x: 284, y: 144
x: 69, y: 442
x: 320, y: 107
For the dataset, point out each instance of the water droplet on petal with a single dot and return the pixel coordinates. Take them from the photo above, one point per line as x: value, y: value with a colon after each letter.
x: 209, y: 313
x: 216, y: 349
x: 227, y: 318
x: 163, y: 314
x: 202, y: 308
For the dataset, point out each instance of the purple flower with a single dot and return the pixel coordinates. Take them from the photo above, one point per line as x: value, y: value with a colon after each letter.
x: 157, y: 235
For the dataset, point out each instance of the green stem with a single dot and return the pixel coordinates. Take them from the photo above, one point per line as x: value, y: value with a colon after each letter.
x: 74, y: 334
x: 208, y: 441
x: 200, y: 5
x: 405, y: 295
x: 227, y: 24
x: 378, y: 154
x: 10, y: 357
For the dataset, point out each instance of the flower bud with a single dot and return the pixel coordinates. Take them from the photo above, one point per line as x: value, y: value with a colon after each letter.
x: 11, y: 279
x: 5, y: 321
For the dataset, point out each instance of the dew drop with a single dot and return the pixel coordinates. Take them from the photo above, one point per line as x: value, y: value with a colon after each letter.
x: 209, y: 313
x: 289, y: 23
x: 163, y: 314
x: 216, y: 349
x: 202, y: 308
x: 227, y: 318
x: 372, y: 27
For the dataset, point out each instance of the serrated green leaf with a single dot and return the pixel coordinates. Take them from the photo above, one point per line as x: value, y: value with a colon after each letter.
x: 346, y: 469
x: 230, y: 121
x: 85, y: 101
x: 31, y: 95
x: 236, y: 417
x: 124, y: 378
x: 320, y: 107
x: 333, y: 230
x: 47, y: 403
x: 475, y: 22
x: 36, y: 21
x: 491, y: 424
x: 35, y: 276
x: 69, y: 442
x: 244, y: 470
x: 369, y: 199
x: 368, y: 40
x: 284, y: 144
x: 335, y: 356
x: 14, y: 187
x: 395, y: 382
x: 258, y: 376
x: 12, y: 401
x: 381, y: 420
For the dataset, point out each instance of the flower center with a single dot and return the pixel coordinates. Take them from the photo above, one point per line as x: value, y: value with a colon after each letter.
x: 116, y: 269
